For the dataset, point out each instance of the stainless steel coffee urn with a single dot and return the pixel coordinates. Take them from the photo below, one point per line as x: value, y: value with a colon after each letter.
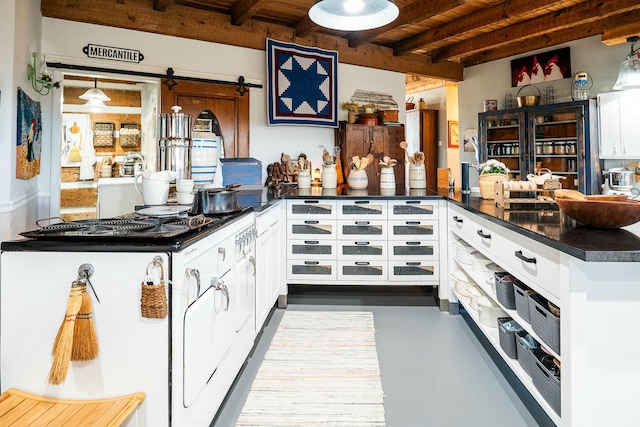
x: 174, y: 146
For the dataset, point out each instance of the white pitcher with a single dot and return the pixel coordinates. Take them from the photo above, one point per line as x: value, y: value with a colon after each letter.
x: 155, y: 186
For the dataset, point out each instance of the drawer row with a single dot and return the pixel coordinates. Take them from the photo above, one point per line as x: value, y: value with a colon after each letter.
x: 375, y: 209
x: 359, y: 249
x: 373, y: 271
x: 371, y: 229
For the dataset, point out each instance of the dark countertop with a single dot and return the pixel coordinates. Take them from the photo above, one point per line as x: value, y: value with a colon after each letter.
x: 542, y: 222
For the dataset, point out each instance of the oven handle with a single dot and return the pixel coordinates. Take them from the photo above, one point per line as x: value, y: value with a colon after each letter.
x: 252, y: 260
x: 195, y: 273
x: 219, y: 285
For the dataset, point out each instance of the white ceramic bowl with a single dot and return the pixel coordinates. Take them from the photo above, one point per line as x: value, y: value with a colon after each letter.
x: 476, y: 293
x: 463, y: 252
x: 489, y: 311
x: 461, y: 283
x: 185, y: 198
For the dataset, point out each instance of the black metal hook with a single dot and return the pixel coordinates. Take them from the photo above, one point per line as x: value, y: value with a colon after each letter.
x: 169, y: 81
x: 242, y: 88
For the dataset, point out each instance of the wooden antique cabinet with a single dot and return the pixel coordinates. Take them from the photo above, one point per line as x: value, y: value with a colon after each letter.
x: 559, y: 137
x: 360, y: 140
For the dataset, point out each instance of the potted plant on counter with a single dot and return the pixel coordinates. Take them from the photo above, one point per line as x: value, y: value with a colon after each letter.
x: 491, y: 171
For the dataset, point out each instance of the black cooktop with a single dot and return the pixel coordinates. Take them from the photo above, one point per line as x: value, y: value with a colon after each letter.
x: 128, y: 232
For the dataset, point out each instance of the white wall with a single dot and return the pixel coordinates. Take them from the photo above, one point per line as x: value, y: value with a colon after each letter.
x: 65, y: 39
x: 493, y: 79
x: 20, y: 32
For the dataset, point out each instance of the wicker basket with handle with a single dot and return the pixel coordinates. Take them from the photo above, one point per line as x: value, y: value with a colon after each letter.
x: 103, y: 134
x: 153, y: 303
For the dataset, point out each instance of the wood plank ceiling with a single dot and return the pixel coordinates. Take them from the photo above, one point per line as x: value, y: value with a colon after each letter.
x: 432, y: 39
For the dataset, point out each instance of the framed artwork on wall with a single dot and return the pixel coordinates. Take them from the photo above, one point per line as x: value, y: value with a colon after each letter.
x: 454, y: 134
x: 542, y: 67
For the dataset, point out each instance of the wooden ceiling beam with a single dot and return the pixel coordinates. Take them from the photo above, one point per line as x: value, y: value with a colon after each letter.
x: 588, y: 12
x: 242, y: 10
x: 620, y: 33
x: 553, y: 39
x: 305, y: 26
x: 160, y: 5
x: 483, y: 20
x: 186, y: 22
x: 414, y: 13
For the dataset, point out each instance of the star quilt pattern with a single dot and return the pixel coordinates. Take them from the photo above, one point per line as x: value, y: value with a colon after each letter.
x: 302, y: 85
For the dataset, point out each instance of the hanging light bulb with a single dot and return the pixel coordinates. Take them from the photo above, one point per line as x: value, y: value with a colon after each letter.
x: 629, y: 73
x: 353, y: 15
x: 94, y: 96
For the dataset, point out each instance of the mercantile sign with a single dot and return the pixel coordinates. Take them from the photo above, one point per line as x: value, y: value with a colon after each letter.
x: 112, y: 53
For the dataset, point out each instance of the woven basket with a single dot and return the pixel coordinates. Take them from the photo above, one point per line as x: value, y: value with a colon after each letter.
x: 129, y: 134
x: 487, y: 183
x: 153, y: 303
x: 103, y: 134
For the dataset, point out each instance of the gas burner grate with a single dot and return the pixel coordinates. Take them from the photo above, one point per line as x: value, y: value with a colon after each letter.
x: 62, y: 226
x: 192, y: 222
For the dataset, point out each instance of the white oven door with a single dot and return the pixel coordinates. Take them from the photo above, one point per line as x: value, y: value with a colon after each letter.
x: 208, y: 334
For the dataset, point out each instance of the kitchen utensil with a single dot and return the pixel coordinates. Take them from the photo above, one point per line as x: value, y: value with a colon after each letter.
x: 153, y: 303
x: 155, y: 186
x: 85, y: 341
x: 216, y: 201
x: 620, y: 178
x: 184, y: 185
x: 601, y: 213
x: 528, y: 100
x: 175, y: 143
x: 63, y: 342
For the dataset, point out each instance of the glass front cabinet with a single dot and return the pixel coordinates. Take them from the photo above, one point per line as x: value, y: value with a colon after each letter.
x: 559, y: 137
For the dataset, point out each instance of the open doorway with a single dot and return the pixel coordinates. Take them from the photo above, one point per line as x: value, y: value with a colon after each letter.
x: 104, y: 144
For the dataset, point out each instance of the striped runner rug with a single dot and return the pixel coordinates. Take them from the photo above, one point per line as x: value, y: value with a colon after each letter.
x: 321, y: 369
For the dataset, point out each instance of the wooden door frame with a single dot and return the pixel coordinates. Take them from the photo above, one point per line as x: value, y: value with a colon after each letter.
x: 236, y: 148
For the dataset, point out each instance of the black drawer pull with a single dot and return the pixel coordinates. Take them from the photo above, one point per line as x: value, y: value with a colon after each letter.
x: 412, y: 222
x: 311, y: 242
x: 362, y: 222
x: 412, y: 202
x: 483, y: 235
x: 458, y: 220
x: 362, y: 263
x: 312, y: 201
x: 312, y: 222
x: 413, y: 263
x: 524, y: 258
x: 362, y: 243
x: 413, y: 243
x: 311, y: 262
x: 361, y: 202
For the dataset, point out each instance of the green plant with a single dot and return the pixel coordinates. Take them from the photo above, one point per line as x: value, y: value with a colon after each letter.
x: 493, y: 166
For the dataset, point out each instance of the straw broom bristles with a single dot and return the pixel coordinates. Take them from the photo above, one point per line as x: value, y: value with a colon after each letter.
x: 85, y: 341
x: 64, y: 339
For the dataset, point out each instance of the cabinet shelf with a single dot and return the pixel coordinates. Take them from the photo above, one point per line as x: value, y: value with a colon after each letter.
x: 492, y: 336
x: 559, y: 122
x: 502, y: 141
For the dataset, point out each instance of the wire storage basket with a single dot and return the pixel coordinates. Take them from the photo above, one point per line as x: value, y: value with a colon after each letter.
x: 103, y: 134
x: 129, y: 134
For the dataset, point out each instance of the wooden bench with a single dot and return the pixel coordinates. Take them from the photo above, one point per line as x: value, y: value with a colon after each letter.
x: 21, y: 409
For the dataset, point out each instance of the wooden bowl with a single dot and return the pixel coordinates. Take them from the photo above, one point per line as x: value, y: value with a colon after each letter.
x: 601, y: 213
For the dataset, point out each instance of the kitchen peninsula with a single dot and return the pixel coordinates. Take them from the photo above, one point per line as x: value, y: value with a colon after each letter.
x: 589, y: 274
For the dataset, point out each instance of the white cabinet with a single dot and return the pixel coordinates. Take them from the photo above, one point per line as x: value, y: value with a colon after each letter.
x: 365, y: 241
x: 270, y: 245
x: 619, y: 114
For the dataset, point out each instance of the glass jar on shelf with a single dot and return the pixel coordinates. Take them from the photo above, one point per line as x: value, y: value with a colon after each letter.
x: 538, y: 148
x: 571, y: 147
x: 515, y: 149
x: 560, y: 147
x: 547, y: 147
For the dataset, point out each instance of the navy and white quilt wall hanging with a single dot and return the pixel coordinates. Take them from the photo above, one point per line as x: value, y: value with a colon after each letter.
x: 302, y: 87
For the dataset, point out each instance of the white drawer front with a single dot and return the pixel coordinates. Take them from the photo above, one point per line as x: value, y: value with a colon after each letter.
x: 311, y: 209
x: 362, y: 250
x: 413, y: 250
x: 362, y: 270
x: 413, y: 228
x: 459, y: 223
x: 365, y: 228
x: 310, y: 229
x: 311, y: 249
x: 361, y: 209
x: 413, y: 209
x: 311, y: 270
x: 535, y: 264
x: 414, y: 271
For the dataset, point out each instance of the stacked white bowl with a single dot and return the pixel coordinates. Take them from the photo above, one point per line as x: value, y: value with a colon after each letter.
x: 184, y: 191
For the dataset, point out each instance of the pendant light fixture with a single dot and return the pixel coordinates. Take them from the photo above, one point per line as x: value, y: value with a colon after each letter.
x: 94, y: 96
x: 353, y: 15
x: 629, y: 73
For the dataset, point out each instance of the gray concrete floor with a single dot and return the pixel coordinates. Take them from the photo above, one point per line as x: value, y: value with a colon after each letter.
x: 436, y: 371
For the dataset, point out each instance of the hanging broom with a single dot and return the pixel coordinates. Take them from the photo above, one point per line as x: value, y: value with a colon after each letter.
x: 85, y: 341
x: 64, y: 340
